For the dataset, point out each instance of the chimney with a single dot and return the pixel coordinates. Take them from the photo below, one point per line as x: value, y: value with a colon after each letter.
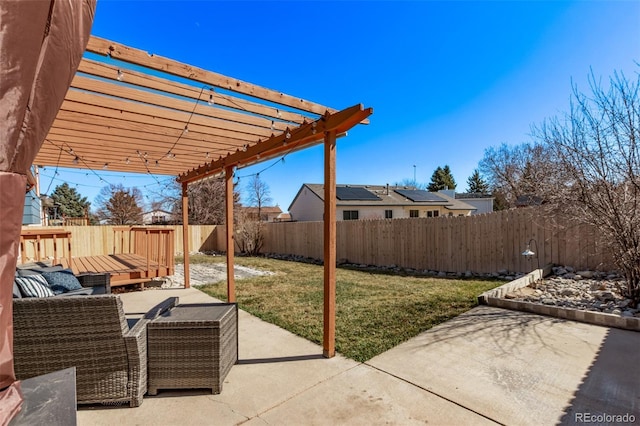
x: 387, y: 189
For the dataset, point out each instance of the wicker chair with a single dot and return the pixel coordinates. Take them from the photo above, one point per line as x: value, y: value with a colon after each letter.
x: 91, y: 334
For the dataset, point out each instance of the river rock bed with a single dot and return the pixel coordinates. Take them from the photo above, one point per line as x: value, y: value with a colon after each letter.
x: 586, y: 290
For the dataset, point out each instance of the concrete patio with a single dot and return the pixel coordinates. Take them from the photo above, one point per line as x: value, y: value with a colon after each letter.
x: 486, y: 366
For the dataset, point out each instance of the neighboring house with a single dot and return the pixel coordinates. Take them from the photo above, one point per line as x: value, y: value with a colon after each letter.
x: 482, y: 202
x: 267, y: 213
x: 32, y: 209
x: 158, y: 217
x: 375, y: 202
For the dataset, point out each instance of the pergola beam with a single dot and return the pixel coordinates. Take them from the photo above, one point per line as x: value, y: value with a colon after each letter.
x: 306, y: 134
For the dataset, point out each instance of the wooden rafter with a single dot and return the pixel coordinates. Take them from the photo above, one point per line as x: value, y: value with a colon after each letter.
x: 138, y: 57
x: 101, y: 70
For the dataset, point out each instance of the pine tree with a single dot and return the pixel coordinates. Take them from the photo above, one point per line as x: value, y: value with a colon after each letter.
x: 70, y: 203
x: 441, y: 179
x: 477, y: 185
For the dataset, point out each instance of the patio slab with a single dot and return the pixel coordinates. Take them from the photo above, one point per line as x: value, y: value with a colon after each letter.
x: 521, y: 368
x: 488, y: 365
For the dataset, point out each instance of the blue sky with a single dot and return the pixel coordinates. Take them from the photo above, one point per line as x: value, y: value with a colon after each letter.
x: 446, y: 79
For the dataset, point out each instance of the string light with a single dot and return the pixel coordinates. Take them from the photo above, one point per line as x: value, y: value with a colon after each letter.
x: 120, y: 75
x: 211, y: 100
x: 244, y: 147
x: 106, y: 166
x: 76, y: 160
x: 288, y: 134
x: 278, y: 113
x: 127, y: 161
x: 207, y: 155
x: 273, y: 125
x: 186, y: 129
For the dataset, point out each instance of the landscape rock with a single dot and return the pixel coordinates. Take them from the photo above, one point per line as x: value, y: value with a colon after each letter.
x: 586, y: 274
x: 598, y: 293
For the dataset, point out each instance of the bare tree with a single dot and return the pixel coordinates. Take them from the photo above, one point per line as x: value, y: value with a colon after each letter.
x: 258, y: 194
x: 515, y: 171
x: 597, y: 158
x: 250, y: 230
x: 206, y: 201
x: 118, y: 205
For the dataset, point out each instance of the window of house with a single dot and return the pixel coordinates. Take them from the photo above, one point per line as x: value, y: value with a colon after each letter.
x: 429, y: 214
x: 414, y: 213
x: 388, y: 214
x: 350, y: 215
x: 436, y: 213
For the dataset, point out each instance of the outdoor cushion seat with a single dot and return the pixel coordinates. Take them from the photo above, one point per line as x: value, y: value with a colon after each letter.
x: 91, y: 334
x: 61, y: 282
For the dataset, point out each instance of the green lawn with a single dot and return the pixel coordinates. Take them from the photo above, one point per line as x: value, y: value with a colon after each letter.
x: 374, y: 311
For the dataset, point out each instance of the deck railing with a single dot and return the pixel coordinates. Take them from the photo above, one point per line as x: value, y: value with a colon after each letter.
x: 155, y: 244
x: 60, y: 242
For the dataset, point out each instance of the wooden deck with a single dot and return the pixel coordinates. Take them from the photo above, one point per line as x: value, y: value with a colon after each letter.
x: 124, y: 268
x: 139, y: 253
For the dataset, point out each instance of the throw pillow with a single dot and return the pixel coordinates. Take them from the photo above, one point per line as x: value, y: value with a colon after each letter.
x: 62, y: 281
x: 34, y: 286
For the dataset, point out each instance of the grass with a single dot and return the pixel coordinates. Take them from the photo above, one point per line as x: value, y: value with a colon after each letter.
x: 374, y: 311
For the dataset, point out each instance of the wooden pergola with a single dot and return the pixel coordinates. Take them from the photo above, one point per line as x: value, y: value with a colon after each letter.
x: 130, y: 111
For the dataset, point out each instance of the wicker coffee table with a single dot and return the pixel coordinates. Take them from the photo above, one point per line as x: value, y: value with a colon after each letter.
x: 192, y: 346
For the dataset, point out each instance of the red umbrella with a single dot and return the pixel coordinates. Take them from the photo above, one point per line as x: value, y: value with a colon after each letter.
x: 41, y: 44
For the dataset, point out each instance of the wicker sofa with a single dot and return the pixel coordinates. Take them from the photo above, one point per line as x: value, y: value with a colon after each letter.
x: 90, y: 333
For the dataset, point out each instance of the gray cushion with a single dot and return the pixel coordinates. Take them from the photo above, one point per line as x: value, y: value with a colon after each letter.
x: 34, y: 286
x: 37, y: 270
x: 62, y: 281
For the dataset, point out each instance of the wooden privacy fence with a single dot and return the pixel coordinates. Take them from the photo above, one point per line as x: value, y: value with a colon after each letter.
x: 102, y: 240
x: 482, y: 243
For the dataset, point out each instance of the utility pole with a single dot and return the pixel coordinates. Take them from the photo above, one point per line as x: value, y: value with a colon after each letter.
x: 414, y: 173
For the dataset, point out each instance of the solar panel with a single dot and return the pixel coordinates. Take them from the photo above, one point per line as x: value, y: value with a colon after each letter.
x: 419, y: 195
x: 347, y: 193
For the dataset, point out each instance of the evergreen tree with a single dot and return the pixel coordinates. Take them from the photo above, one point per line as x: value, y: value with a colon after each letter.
x: 477, y: 185
x: 441, y: 179
x: 70, y: 203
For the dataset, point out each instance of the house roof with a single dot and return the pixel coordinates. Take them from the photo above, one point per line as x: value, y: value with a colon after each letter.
x: 388, y: 196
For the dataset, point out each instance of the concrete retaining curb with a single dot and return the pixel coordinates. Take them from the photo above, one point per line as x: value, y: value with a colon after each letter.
x: 495, y: 298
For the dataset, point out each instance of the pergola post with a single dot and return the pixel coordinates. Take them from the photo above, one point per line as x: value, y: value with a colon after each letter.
x: 329, y: 344
x: 185, y: 232
x: 228, y: 201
